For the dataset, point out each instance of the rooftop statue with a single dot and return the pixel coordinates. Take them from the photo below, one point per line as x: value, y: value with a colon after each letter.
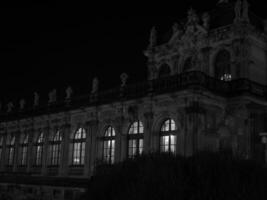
x: 176, y: 33
x: 52, y: 96
x: 206, y: 20
x: 69, y: 93
x: 10, y: 107
x: 153, y: 37
x: 124, y: 78
x: 238, y: 8
x: 223, y: 1
x: 36, y: 99
x: 22, y: 103
x: 95, y: 83
x: 245, y: 11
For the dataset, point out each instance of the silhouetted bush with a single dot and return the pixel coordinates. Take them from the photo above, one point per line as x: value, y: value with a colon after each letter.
x: 205, y: 176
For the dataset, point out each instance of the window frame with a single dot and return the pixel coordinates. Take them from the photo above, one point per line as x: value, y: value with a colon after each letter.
x: 11, y: 151
x: 168, y: 134
x: 55, y: 149
x: 135, y: 134
x: 24, y: 148
x: 39, y: 150
x: 81, y: 143
x: 110, y: 141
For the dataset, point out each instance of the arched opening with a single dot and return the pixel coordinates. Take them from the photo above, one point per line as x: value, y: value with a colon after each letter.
x: 39, y: 150
x: 11, y: 151
x: 109, y: 145
x: 168, y: 136
x: 24, y: 150
x: 222, y: 66
x: 135, y: 139
x: 55, y: 149
x: 164, y: 70
x: 78, y: 147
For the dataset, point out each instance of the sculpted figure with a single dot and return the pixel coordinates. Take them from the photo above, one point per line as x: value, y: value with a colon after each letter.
x: 153, y: 37
x: 69, y: 92
x: 245, y: 11
x: 10, y: 107
x: 124, y: 78
x: 36, y: 99
x: 52, y: 96
x: 95, y: 85
x: 22, y: 103
x: 192, y: 17
x: 223, y: 1
x: 206, y: 20
x: 238, y: 5
x: 176, y: 32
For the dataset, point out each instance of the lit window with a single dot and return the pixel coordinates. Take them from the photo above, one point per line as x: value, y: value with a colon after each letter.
x: 39, y: 150
x: 24, y: 150
x: 1, y: 147
x: 55, y: 149
x: 135, y: 139
x: 11, y: 151
x: 78, y: 152
x: 223, y: 66
x: 109, y: 145
x: 168, y: 136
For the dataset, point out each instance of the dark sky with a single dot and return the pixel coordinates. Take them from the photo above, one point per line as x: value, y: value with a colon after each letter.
x: 46, y: 46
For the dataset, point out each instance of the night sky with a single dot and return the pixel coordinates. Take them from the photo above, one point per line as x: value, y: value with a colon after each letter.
x: 46, y: 46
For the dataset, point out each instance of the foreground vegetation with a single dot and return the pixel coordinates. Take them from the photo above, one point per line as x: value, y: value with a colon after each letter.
x: 205, y: 176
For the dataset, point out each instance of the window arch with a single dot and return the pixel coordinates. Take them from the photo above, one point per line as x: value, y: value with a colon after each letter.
x: 109, y: 145
x: 39, y: 149
x: 24, y: 150
x: 164, y: 70
x: 188, y: 65
x: 222, y: 66
x: 1, y: 147
x: 78, y: 151
x: 168, y: 136
x: 135, y: 139
x: 55, y: 149
x: 11, y: 151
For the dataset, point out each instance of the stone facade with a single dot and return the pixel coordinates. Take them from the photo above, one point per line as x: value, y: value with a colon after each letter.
x: 207, y: 83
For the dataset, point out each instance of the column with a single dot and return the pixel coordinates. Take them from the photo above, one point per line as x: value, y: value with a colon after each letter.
x: 90, y: 147
x: 3, y: 156
x: 45, y: 154
x: 63, y: 170
x: 30, y: 153
x: 118, y: 138
x: 148, y: 145
x: 16, y: 150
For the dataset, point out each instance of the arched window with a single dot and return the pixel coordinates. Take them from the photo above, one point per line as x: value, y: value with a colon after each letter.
x: 1, y: 147
x: 222, y: 66
x: 188, y: 65
x: 78, y: 151
x: 24, y: 150
x: 168, y: 136
x: 39, y: 149
x: 135, y: 139
x: 11, y: 151
x: 55, y: 149
x: 109, y: 145
x: 164, y: 71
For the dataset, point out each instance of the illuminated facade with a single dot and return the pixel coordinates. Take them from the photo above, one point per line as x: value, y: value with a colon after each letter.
x: 206, y: 90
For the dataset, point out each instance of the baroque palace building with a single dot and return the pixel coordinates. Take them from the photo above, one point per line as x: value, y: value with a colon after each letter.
x: 206, y: 90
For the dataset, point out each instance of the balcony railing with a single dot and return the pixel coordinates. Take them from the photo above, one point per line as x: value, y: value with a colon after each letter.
x: 191, y: 80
